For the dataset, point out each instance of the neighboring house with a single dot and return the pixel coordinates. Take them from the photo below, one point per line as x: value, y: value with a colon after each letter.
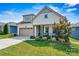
x: 1, y: 27
x: 25, y: 27
x: 75, y: 31
x: 39, y: 24
x: 12, y: 28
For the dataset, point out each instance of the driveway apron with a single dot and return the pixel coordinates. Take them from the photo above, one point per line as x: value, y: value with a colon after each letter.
x: 4, y: 43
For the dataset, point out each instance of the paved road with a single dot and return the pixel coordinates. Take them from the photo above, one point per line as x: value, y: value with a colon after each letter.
x: 4, y: 43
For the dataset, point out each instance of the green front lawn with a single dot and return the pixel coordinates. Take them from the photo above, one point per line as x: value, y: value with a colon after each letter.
x: 6, y: 36
x: 31, y: 48
x: 39, y: 48
x: 73, y: 39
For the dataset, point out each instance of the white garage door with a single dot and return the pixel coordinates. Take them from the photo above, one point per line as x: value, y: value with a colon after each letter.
x: 26, y: 32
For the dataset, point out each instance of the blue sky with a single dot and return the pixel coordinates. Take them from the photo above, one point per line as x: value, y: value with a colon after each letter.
x: 10, y: 12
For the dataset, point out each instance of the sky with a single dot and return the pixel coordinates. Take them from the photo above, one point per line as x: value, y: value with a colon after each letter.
x: 12, y: 12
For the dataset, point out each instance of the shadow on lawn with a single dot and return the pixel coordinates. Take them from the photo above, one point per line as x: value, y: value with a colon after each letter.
x: 68, y: 50
x: 37, y: 43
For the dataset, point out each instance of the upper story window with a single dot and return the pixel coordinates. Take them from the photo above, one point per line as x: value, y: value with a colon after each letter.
x: 27, y: 18
x: 45, y: 16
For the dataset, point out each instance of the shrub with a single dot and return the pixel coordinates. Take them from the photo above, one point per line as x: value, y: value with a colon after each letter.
x: 1, y: 33
x: 37, y: 39
x: 48, y: 37
x: 53, y: 39
x: 40, y: 37
x: 44, y: 38
x: 32, y: 37
x: 15, y: 34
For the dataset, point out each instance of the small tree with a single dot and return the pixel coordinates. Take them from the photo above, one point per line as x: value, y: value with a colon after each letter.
x: 5, y: 29
x: 63, y: 29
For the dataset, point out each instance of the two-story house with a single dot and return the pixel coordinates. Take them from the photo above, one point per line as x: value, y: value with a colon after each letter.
x: 42, y: 22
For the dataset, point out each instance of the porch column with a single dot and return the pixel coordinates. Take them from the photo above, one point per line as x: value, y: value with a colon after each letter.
x: 44, y: 29
x: 2, y: 28
x: 41, y: 30
x: 8, y: 28
x: 50, y: 29
x: 35, y: 31
x: 18, y: 30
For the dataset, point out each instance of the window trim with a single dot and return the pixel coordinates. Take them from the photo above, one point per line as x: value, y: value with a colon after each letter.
x: 46, y: 16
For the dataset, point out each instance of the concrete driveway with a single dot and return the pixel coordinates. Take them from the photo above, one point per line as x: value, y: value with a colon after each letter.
x: 4, y: 43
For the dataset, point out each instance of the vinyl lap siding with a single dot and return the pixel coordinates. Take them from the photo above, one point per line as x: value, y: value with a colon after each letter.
x: 40, y: 20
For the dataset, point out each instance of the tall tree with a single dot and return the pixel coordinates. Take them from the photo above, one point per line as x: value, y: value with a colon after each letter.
x: 63, y: 29
x: 5, y: 29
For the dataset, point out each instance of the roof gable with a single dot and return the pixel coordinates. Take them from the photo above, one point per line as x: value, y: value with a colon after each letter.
x: 47, y: 10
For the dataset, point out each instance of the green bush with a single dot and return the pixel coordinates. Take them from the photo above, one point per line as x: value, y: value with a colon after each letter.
x: 48, y: 37
x: 1, y: 33
x: 44, y: 38
x: 15, y: 34
x: 37, y: 39
x: 40, y: 37
x: 53, y: 39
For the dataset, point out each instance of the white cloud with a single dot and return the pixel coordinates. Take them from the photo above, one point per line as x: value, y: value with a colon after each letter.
x: 55, y: 8
x: 10, y: 16
x: 13, y: 16
x: 71, y: 9
x: 70, y: 4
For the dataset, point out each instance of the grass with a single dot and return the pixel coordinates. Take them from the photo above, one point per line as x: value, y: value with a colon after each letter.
x: 73, y: 39
x: 70, y: 51
x: 6, y: 36
x: 32, y: 48
x: 40, y: 48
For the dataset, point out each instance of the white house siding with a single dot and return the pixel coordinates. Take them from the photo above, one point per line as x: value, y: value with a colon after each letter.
x: 1, y: 27
x: 40, y: 20
x: 50, y: 29
x: 35, y: 31
x: 25, y: 25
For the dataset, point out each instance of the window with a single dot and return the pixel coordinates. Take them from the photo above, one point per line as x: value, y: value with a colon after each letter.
x: 27, y: 18
x: 46, y: 16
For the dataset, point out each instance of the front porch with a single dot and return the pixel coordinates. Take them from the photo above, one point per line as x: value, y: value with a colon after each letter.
x: 40, y: 30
